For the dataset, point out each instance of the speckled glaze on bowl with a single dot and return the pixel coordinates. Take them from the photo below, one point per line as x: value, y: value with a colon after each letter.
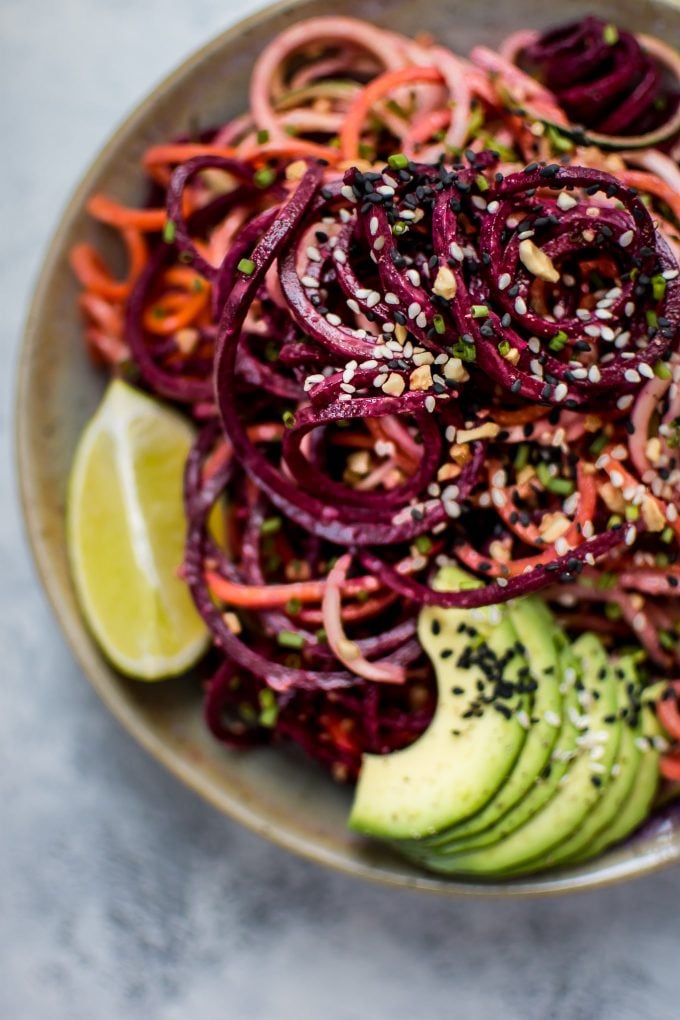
x: 277, y: 794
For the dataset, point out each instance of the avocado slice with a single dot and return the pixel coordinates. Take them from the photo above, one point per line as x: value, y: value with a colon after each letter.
x: 576, y: 794
x: 623, y: 772
x: 457, y: 765
x: 545, y: 782
x: 638, y: 804
x: 541, y: 639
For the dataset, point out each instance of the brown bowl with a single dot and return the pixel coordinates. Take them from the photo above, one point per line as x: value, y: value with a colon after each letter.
x: 275, y: 793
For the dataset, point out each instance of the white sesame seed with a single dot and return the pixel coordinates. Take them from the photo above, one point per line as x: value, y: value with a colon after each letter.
x: 594, y: 374
x: 347, y: 387
x: 388, y: 327
x: 588, y: 529
x: 498, y: 498
x: 451, y: 509
x: 385, y: 189
x: 371, y: 363
x: 391, y: 298
x: 347, y: 193
x: 624, y: 402
x: 616, y: 479
x: 413, y: 310
x: 603, y: 313
x: 524, y: 235
x: 430, y: 404
x: 309, y: 282
x: 646, y: 370
x: 583, y: 314
x: 372, y: 299
x: 456, y: 251
x: 353, y: 306
x: 421, y: 320
x: 373, y: 225
x: 631, y: 376
x: 492, y: 207
x: 639, y: 621
x: 504, y: 281
x: 484, y: 499
x: 552, y: 718
x: 333, y: 319
x: 520, y: 305
x: 593, y: 331
x: 340, y: 256
x: 561, y: 546
x: 379, y: 380
x: 534, y: 345
x: 523, y: 719
x: 607, y: 333
x: 414, y: 276
x: 626, y: 238
x: 502, y: 582
x: 631, y: 535
x: 479, y: 202
x: 672, y: 512
x: 379, y: 243
x: 313, y: 253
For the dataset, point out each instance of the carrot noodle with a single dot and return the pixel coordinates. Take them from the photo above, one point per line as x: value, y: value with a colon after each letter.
x: 423, y: 309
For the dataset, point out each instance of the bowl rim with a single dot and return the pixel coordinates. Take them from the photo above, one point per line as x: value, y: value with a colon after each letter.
x: 73, y: 627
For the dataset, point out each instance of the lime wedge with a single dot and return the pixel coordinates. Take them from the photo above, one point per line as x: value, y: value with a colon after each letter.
x: 126, y: 530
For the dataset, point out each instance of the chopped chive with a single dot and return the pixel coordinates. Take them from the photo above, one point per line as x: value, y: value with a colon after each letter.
x: 661, y: 560
x: 558, y: 141
x: 521, y: 457
x: 607, y: 579
x: 561, y: 486
x: 399, y: 228
x: 246, y: 266
x: 288, y: 419
x: 320, y: 634
x: 667, y: 535
x: 262, y: 136
x: 169, y: 231
x: 269, y: 709
x: 614, y: 520
x: 289, y: 639
x: 423, y: 544
x: 612, y: 611
x: 658, y: 287
x: 366, y: 151
x: 270, y: 526
x: 198, y: 286
x: 293, y: 607
x: 263, y: 177
x: 479, y: 311
x: 651, y: 317
x: 271, y: 351
x: 291, y: 130
x: 481, y: 182
x: 439, y: 324
x: 464, y: 350
x: 667, y: 640
x: 662, y: 371
x: 632, y: 513
x: 398, y: 161
x: 504, y: 348
x: 610, y: 34
x: 598, y: 444
x: 558, y: 341
x: 543, y: 474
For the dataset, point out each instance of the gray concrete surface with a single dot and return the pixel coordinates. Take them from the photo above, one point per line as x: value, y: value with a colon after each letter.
x: 122, y: 896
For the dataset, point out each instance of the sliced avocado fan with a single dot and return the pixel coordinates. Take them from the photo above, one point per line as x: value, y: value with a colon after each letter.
x: 540, y: 753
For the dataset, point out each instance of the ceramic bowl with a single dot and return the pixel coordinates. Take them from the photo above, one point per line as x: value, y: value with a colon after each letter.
x: 276, y: 793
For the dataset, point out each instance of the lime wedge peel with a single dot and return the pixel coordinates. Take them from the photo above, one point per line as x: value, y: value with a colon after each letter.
x: 126, y: 529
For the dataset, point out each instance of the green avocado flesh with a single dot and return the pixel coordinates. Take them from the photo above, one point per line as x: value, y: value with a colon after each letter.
x: 540, y: 752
